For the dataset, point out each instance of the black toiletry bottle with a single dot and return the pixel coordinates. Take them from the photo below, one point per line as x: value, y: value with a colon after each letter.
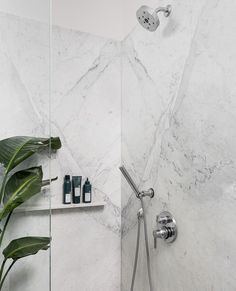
x: 67, y: 190
x: 87, y: 192
x: 76, y: 188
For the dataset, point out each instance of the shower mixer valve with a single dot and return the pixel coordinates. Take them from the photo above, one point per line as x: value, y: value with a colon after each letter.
x: 166, y: 228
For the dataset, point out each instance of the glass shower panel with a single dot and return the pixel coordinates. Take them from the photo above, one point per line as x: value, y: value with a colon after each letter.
x: 24, y: 111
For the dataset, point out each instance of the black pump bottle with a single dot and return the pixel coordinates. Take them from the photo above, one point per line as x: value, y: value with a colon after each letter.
x: 87, y: 192
x: 67, y: 190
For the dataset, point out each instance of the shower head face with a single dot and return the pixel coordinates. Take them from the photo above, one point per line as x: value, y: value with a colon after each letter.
x: 148, y: 18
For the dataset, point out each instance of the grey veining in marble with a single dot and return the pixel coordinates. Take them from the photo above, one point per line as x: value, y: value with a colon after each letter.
x: 179, y: 137
x: 24, y: 92
x: 85, y: 113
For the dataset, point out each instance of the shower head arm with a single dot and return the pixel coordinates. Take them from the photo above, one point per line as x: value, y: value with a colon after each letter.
x: 166, y: 10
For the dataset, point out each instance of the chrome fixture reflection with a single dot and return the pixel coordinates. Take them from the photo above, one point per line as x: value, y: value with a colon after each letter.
x: 140, y: 213
x: 166, y: 228
x: 148, y: 17
x: 149, y: 192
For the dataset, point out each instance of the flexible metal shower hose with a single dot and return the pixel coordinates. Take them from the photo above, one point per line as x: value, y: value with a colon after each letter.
x: 136, y: 254
x: 137, y: 250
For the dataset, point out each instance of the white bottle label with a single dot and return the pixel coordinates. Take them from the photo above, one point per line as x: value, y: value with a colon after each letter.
x: 77, y: 192
x: 87, y: 197
x: 68, y: 198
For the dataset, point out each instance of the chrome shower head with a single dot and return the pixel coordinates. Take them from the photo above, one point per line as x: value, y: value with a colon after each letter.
x: 148, y: 17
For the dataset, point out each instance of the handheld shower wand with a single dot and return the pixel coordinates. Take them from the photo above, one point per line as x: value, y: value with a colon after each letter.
x: 149, y: 192
x: 141, y: 214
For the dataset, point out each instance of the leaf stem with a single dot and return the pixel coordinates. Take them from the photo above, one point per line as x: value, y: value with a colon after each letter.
x: 2, y: 268
x: 8, y: 270
x: 4, y: 228
x: 3, y: 187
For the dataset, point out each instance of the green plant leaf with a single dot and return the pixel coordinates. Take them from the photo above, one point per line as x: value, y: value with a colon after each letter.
x: 15, y: 150
x: 20, y: 187
x: 26, y: 246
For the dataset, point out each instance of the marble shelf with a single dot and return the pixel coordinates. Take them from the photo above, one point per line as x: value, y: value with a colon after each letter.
x: 60, y: 207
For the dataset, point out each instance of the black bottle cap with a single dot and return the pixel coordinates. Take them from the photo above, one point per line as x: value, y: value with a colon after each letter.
x: 87, y: 181
x: 67, y: 177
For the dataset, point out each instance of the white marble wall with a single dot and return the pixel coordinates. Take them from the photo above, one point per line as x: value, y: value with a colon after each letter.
x: 179, y: 137
x: 85, y: 107
x: 178, y: 104
x: 86, y: 115
x: 24, y: 97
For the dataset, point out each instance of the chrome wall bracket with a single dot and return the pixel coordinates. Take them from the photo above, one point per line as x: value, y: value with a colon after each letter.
x: 166, y: 228
x: 149, y: 193
x: 140, y: 195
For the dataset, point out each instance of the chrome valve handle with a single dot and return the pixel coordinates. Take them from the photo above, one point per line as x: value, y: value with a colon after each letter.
x: 166, y: 228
